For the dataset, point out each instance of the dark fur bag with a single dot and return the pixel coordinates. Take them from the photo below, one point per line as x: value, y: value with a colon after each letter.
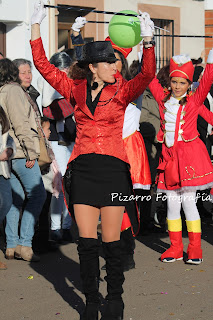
x: 67, y: 179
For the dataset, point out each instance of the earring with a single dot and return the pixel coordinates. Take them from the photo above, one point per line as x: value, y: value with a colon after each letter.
x: 95, y: 84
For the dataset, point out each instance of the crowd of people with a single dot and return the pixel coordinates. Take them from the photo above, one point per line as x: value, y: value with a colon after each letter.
x: 104, y: 133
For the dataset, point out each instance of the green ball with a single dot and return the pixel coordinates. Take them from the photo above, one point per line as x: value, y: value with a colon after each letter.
x: 125, y: 31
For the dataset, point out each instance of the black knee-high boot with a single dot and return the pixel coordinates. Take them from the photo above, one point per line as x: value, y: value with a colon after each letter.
x: 88, y: 250
x: 114, y: 279
x: 127, y: 250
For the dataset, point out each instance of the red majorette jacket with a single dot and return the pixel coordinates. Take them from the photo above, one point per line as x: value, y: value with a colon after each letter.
x: 102, y: 132
x: 193, y: 107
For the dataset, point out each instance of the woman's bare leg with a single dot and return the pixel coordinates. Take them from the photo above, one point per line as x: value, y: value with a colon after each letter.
x: 111, y: 219
x: 87, y: 220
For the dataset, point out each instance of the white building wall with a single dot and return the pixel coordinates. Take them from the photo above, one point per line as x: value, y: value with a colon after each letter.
x: 208, y: 4
x: 16, y: 15
x: 191, y: 15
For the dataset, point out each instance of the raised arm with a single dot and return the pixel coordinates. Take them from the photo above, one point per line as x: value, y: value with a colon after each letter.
x: 56, y: 78
x: 206, y: 114
x: 156, y: 90
x: 206, y: 81
x: 135, y: 87
x: 76, y: 37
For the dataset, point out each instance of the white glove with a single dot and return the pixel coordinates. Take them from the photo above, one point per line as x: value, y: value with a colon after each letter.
x: 39, y: 12
x: 147, y: 25
x: 78, y: 24
x: 210, y: 57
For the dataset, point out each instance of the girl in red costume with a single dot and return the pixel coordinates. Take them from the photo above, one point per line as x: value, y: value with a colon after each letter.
x: 184, y: 165
x: 98, y: 162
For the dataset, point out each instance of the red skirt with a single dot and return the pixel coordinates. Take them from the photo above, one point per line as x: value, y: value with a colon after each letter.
x: 138, y: 159
x: 194, y: 166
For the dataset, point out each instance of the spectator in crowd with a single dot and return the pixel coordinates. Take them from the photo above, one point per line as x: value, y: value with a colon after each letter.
x: 25, y: 76
x: 60, y: 114
x: 26, y: 178
x: 52, y: 180
x: 41, y: 241
x: 7, y: 151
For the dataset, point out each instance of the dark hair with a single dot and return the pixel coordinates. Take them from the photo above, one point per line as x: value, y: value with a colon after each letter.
x: 44, y: 119
x: 134, y: 68
x: 125, y: 69
x: 71, y: 53
x: 197, y: 73
x: 197, y: 61
x: 4, y: 121
x: 80, y: 71
x: 8, y: 72
x: 61, y: 60
x: 163, y: 76
x: 19, y: 62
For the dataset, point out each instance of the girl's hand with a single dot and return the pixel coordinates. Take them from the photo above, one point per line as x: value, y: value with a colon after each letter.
x: 30, y: 164
x: 6, y: 154
x: 146, y: 24
x: 78, y: 24
x: 210, y: 56
x: 39, y: 12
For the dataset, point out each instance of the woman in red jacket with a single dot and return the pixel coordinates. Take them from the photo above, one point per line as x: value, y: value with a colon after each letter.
x: 99, y: 164
x: 184, y: 165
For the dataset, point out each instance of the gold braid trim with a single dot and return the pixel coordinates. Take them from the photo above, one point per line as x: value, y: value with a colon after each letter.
x: 189, y: 139
x: 78, y: 45
x: 195, y: 177
x: 130, y: 135
x: 126, y: 229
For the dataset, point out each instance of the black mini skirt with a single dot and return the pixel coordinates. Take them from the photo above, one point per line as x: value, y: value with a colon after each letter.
x: 99, y: 180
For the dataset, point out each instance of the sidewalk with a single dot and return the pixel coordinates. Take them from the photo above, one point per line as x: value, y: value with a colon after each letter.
x: 51, y: 288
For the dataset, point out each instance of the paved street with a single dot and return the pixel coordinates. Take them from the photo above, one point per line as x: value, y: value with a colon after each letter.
x: 51, y: 289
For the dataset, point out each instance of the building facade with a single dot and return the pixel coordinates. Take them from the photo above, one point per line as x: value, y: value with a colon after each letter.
x: 182, y: 18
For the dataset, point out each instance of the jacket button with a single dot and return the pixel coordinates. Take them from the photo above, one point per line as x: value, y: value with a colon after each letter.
x: 93, y: 139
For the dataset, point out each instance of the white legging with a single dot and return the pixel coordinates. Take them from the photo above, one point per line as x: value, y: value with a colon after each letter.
x: 187, y: 199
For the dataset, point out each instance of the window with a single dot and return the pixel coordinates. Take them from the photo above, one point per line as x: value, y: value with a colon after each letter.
x: 164, y: 49
x: 65, y: 20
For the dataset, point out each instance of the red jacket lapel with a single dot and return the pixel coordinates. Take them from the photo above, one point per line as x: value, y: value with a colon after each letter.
x: 80, y: 95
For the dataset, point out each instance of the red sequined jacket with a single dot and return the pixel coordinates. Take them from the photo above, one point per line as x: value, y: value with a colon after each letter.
x: 100, y: 133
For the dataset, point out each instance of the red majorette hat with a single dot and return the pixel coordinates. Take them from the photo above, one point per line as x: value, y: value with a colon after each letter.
x: 181, y: 66
x: 124, y: 51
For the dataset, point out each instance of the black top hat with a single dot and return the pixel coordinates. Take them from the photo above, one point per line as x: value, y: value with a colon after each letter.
x: 97, y: 51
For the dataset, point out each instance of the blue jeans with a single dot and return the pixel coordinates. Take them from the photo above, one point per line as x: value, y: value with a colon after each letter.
x: 5, y: 197
x: 58, y: 208
x: 26, y: 183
